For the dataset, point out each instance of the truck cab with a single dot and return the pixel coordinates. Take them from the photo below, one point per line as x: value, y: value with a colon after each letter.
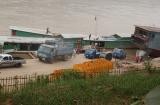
x: 91, y: 53
x: 5, y: 59
x: 46, y: 53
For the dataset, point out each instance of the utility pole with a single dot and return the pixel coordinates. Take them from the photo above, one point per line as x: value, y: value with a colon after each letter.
x: 96, y: 25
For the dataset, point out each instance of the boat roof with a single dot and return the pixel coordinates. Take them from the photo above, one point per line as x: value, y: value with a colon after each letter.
x: 73, y: 35
x: 43, y: 32
x: 16, y: 39
x: 149, y: 28
x: 101, y: 38
x: 32, y: 30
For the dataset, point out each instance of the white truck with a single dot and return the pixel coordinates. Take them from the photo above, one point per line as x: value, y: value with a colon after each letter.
x: 7, y: 60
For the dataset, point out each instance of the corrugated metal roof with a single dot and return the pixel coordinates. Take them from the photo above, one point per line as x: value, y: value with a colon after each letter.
x: 148, y: 28
x: 15, y: 39
x: 101, y: 38
x: 43, y: 32
x: 32, y: 30
x: 73, y: 35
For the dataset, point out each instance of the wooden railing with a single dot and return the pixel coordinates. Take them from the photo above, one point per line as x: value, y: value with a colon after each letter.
x: 10, y: 84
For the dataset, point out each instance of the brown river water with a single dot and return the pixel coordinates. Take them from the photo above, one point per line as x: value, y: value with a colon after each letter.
x: 78, y: 16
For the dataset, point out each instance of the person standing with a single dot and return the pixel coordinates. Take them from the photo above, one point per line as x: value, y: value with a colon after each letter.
x: 140, y: 55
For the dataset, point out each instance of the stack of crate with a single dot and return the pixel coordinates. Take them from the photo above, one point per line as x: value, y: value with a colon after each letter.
x: 94, y: 66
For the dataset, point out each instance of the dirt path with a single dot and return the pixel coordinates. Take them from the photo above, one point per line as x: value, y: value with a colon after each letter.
x: 35, y: 66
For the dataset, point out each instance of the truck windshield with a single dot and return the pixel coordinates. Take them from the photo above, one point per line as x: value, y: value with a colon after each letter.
x: 1, y: 57
x: 90, y: 51
x: 44, y: 49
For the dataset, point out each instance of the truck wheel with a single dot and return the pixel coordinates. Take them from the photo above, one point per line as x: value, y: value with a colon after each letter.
x: 18, y: 65
x: 50, y: 61
x: 108, y: 56
x: 66, y: 57
x: 40, y: 59
x: 69, y: 56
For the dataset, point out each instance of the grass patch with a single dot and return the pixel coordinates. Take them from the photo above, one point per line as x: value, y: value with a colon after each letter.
x: 73, y: 89
x: 3, y: 98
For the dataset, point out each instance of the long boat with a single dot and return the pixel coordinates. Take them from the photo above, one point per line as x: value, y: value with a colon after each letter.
x: 148, y: 39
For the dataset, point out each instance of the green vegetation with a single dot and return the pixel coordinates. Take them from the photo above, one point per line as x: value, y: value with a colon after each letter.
x: 74, y: 89
x: 149, y: 68
x: 3, y: 98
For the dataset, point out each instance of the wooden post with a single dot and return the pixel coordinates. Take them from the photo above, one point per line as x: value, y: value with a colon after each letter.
x: 1, y: 87
x: 16, y: 82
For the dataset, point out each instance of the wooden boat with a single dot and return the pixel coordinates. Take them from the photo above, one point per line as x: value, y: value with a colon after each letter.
x: 148, y: 38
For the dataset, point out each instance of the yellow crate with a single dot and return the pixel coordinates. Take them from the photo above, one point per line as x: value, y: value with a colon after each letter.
x: 97, y: 65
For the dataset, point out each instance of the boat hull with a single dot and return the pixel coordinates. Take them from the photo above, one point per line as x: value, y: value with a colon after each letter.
x: 154, y: 53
